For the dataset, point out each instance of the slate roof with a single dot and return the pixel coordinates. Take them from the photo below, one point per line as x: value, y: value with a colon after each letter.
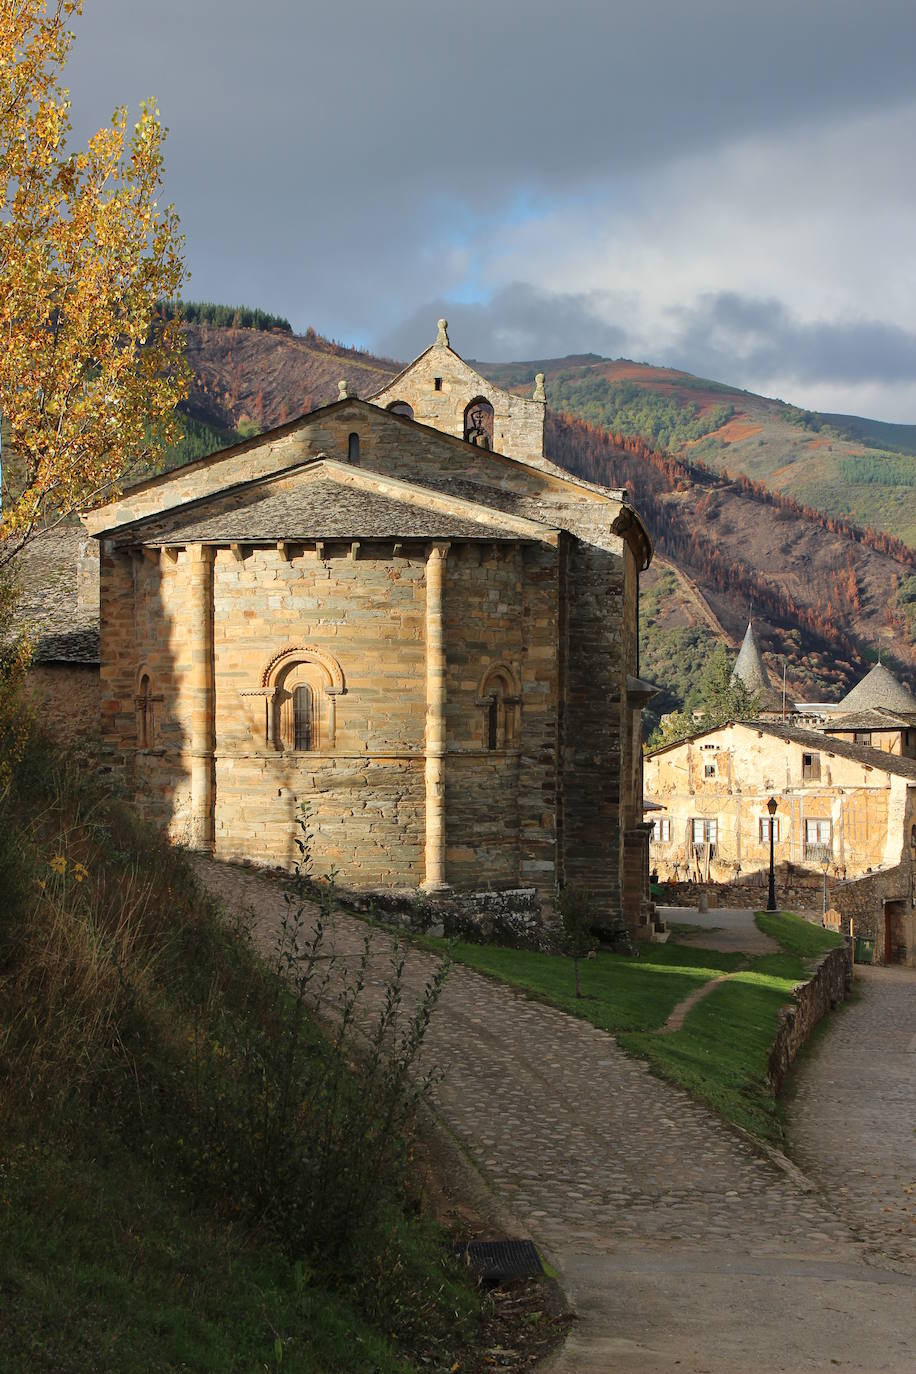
x: 750, y: 667
x: 879, y: 687
x: 874, y: 718
x: 48, y: 608
x: 321, y: 508
x: 818, y: 743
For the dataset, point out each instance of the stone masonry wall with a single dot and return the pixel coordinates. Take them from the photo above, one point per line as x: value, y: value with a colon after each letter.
x: 518, y: 422
x: 586, y: 632
x: 66, y: 697
x: 365, y: 787
x: 829, y: 985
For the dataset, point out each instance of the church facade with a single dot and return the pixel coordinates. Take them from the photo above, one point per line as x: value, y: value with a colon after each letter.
x: 399, y: 612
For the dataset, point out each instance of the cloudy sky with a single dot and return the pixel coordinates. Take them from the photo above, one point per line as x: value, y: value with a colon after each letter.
x: 720, y: 185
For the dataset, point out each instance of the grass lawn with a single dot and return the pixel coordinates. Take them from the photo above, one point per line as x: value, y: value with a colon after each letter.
x: 619, y: 993
x: 720, y: 1053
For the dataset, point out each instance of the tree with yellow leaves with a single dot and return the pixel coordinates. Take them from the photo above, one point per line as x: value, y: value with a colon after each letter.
x: 90, y: 372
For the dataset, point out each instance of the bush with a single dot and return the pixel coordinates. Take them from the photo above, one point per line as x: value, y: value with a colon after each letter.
x: 138, y: 1025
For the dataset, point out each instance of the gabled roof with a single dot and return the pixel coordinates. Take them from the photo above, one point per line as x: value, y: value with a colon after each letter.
x: 879, y: 687
x: 325, y: 499
x: 814, y: 740
x: 97, y: 523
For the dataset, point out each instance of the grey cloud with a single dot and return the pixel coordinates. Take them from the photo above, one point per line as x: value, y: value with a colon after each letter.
x: 520, y: 321
x: 733, y: 337
x: 323, y: 157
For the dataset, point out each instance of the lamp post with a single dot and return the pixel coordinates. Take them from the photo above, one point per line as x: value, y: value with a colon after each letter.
x: 771, y: 891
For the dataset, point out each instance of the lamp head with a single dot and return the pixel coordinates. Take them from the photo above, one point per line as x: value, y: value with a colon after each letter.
x: 771, y: 806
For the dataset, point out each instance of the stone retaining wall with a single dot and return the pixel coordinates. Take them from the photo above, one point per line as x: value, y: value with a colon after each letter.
x: 829, y: 985
x: 514, y: 917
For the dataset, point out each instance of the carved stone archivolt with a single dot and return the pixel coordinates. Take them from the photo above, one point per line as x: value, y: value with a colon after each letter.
x: 268, y: 705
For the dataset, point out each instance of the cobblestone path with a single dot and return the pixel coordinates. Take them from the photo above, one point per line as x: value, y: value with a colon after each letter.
x: 853, y: 1123
x: 678, y: 1244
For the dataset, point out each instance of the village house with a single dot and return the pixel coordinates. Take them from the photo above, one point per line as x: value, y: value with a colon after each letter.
x: 401, y: 613
x: 845, y: 813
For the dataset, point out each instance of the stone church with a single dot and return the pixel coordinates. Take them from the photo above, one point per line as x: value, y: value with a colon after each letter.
x: 399, y: 611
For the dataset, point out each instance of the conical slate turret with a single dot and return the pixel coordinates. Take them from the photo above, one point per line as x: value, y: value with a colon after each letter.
x: 879, y: 687
x: 750, y: 668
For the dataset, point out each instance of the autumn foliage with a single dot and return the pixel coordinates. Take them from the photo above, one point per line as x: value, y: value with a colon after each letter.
x: 679, y: 530
x: 90, y: 373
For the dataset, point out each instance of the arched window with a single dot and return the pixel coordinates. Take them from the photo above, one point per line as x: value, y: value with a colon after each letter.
x: 303, y: 716
x: 295, y: 707
x: 478, y: 423
x: 493, y: 723
x: 145, y: 713
x: 144, y: 703
x: 401, y: 408
x: 353, y: 450
x: 500, y: 697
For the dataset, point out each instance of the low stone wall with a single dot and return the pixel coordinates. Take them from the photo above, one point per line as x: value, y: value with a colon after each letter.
x: 829, y: 985
x: 802, y: 889
x: 514, y: 917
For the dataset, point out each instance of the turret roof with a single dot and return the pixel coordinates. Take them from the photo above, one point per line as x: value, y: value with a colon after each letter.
x: 879, y: 687
x: 750, y: 667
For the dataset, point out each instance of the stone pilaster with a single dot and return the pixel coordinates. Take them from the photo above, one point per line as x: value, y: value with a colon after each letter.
x: 200, y: 572
x: 434, y: 880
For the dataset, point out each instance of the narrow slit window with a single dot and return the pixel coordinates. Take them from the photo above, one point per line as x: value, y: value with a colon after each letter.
x: 437, y: 383
x: 145, y: 714
x: 493, y: 724
x: 303, y: 717
x: 353, y: 450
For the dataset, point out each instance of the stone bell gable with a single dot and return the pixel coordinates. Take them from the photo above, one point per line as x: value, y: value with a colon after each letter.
x: 429, y: 642
x: 440, y: 389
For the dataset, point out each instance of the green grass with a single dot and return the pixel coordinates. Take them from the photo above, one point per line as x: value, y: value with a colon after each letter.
x: 107, y: 1269
x: 619, y: 993
x: 720, y: 1053
x: 796, y: 935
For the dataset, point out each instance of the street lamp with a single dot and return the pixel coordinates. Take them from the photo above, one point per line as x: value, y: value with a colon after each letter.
x: 771, y: 892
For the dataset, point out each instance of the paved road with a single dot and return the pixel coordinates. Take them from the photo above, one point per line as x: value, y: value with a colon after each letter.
x: 729, y: 929
x: 852, y: 1124
x: 680, y: 1247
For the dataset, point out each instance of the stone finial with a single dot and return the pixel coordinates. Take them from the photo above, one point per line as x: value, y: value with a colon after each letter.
x: 442, y: 336
x: 539, y: 393
x: 343, y: 390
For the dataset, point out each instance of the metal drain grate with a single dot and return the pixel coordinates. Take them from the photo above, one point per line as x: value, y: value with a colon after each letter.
x: 496, y: 1260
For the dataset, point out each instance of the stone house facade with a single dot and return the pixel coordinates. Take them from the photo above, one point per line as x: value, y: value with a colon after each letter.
x: 428, y: 641
x: 846, y: 814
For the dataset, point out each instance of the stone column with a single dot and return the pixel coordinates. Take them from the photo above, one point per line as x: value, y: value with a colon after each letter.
x: 200, y: 625
x: 435, y: 719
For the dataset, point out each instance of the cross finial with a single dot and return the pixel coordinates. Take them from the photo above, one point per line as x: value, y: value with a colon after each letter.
x: 442, y: 336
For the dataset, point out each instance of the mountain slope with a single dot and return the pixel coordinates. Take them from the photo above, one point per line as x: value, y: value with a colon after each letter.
x: 839, y: 464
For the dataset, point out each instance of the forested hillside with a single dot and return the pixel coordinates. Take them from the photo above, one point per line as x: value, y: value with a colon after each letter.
x: 840, y: 464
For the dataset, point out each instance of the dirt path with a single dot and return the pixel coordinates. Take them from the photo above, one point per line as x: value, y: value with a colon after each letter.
x: 680, y: 1247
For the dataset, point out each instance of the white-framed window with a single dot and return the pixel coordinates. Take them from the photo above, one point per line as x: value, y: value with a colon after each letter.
x: 765, y: 823
x: 705, y: 830
x: 818, y: 836
x: 661, y: 830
